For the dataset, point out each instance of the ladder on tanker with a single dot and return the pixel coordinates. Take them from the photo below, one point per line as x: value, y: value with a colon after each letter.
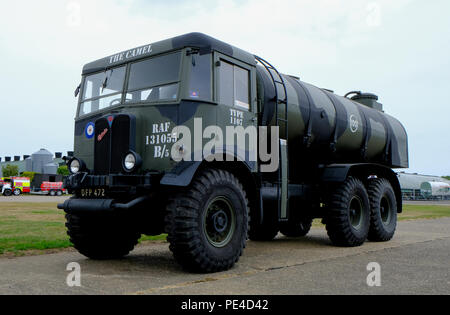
x: 283, y: 168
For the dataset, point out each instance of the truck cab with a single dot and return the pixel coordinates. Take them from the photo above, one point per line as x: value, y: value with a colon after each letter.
x: 130, y: 102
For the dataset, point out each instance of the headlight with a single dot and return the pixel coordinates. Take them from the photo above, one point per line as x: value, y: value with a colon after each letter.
x: 75, y: 166
x: 131, y: 161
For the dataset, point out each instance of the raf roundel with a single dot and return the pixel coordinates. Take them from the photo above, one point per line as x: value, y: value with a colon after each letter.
x: 90, y: 130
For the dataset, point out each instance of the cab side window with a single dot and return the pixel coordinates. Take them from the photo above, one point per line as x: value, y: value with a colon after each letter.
x: 200, y: 86
x: 234, y: 86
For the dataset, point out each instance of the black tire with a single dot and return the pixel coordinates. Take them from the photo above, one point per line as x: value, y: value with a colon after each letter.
x: 7, y: 192
x: 383, y: 204
x: 17, y: 192
x: 59, y: 193
x: 52, y: 193
x: 101, y: 237
x: 207, y: 223
x: 296, y: 229
x: 348, y: 217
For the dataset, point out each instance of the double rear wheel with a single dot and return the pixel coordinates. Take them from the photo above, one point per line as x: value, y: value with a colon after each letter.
x: 356, y: 214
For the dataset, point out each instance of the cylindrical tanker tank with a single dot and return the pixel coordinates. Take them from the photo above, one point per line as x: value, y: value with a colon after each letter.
x: 328, y: 128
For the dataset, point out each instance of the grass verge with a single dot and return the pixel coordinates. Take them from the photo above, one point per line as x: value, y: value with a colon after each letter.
x: 36, y: 228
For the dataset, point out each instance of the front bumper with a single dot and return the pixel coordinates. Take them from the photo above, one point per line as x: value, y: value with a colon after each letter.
x: 121, y: 192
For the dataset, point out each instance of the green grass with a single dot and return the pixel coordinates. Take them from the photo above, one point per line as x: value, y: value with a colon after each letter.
x: 38, y: 227
x: 416, y: 212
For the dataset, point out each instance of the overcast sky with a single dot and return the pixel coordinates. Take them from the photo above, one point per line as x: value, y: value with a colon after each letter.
x: 397, y: 49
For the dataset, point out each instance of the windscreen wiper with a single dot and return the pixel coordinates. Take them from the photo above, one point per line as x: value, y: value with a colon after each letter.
x: 105, y: 83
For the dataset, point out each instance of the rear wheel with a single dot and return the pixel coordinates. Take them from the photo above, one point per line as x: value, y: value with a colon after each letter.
x: 383, y: 204
x: 348, y: 217
x: 52, y: 193
x: 59, y: 193
x: 106, y: 236
x: 207, y: 223
x: 17, y: 192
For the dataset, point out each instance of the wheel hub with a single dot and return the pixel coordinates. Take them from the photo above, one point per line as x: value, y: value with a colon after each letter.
x: 385, y: 211
x: 219, y: 223
x: 356, y: 213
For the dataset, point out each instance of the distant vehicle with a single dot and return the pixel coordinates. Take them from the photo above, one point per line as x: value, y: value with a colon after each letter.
x: 6, y: 189
x: 52, y: 189
x: 19, y: 185
x: 435, y: 190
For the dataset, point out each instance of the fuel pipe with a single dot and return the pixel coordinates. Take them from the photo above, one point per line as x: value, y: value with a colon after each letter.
x: 98, y: 205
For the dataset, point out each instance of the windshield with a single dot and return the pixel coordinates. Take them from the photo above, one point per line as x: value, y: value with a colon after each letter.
x: 154, y: 79
x: 102, y: 90
x: 150, y: 80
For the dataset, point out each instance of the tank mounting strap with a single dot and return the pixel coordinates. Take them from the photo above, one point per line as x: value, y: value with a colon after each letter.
x: 367, y: 132
x: 312, y: 110
x: 341, y: 119
x: 389, y: 133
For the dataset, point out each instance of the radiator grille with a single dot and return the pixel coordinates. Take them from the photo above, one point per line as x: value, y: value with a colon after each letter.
x: 112, y: 142
x: 102, y: 146
x: 120, y: 142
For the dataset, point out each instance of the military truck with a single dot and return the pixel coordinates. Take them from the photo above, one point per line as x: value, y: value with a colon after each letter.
x: 134, y: 173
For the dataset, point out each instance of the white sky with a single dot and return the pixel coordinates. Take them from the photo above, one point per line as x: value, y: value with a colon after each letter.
x: 397, y: 49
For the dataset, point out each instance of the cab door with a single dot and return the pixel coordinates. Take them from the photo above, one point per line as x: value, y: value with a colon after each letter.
x: 235, y: 94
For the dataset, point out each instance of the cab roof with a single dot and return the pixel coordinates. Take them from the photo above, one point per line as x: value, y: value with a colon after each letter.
x: 204, y: 42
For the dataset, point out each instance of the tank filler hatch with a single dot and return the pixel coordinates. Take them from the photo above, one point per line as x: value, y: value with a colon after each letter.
x: 367, y: 99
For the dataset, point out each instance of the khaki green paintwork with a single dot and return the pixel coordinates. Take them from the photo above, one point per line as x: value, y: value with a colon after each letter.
x: 214, y: 113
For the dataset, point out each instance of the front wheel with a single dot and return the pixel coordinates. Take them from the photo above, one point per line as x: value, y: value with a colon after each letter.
x: 348, y: 217
x: 102, y: 236
x: 207, y: 223
x: 17, y: 192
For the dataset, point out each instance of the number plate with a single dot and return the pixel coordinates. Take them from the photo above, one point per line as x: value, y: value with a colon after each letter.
x: 93, y: 193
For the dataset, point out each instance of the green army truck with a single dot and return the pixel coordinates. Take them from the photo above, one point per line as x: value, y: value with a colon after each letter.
x: 210, y: 144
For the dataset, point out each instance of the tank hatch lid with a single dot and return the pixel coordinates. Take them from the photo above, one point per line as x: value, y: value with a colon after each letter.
x: 367, y: 99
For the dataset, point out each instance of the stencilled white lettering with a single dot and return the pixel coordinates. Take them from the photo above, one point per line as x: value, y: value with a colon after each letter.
x: 160, y: 138
x: 131, y: 54
x: 236, y: 117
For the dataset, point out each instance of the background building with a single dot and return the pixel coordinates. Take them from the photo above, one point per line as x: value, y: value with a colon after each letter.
x: 417, y: 187
x: 42, y: 162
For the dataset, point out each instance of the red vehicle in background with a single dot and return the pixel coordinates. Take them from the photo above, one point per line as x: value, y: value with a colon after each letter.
x: 53, y: 189
x: 15, y: 186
